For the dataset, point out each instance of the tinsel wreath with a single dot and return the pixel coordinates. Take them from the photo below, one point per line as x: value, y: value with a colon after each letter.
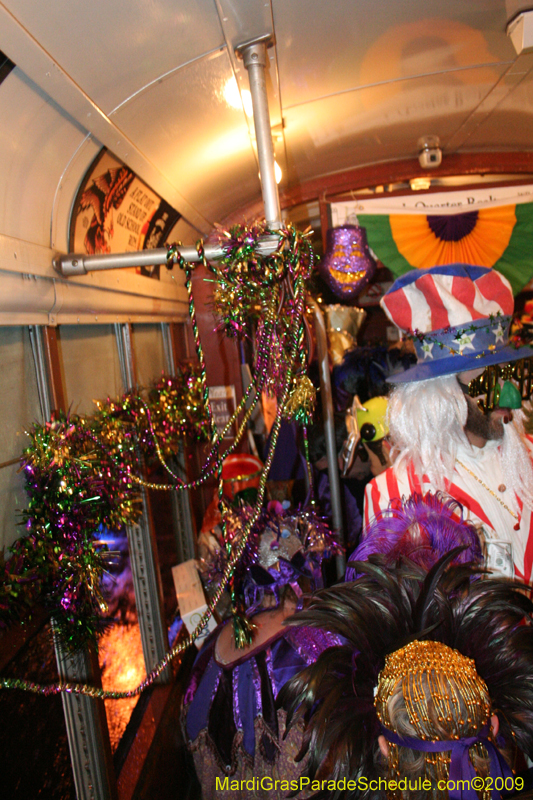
x: 78, y: 473
x: 169, y: 411
x: 255, y: 296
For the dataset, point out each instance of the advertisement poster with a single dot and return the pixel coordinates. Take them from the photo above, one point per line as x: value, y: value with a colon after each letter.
x: 488, y: 227
x: 115, y: 212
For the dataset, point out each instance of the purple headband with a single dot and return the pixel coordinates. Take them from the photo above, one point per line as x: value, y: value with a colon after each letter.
x: 461, y: 768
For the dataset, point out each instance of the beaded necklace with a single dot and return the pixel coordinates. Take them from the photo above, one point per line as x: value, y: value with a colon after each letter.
x: 500, y: 501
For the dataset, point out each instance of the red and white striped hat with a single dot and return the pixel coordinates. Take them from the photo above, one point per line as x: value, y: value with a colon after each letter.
x: 459, y: 316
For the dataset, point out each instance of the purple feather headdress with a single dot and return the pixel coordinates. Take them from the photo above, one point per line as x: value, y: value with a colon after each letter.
x: 422, y: 529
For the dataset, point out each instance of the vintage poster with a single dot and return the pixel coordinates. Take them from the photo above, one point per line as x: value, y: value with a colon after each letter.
x: 115, y: 212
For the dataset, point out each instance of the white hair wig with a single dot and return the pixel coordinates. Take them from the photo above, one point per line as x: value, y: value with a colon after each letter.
x: 426, y: 422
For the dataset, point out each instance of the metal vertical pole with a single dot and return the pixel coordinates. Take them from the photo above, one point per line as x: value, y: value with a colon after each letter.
x: 329, y: 430
x: 180, y: 501
x: 39, y: 358
x: 168, y: 350
x: 148, y: 594
x: 181, y: 511
x: 142, y: 546
x: 125, y: 355
x: 90, y: 752
x: 85, y: 720
x: 254, y: 56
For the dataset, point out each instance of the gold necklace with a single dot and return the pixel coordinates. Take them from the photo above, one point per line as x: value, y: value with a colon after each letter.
x: 500, y: 501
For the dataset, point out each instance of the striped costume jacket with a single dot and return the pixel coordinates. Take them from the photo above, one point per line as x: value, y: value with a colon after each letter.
x: 493, y: 508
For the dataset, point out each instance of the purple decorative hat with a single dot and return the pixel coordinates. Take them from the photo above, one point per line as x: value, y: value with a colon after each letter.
x: 347, y: 266
x: 283, y: 547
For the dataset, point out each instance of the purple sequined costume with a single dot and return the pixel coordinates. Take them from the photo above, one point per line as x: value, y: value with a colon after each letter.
x: 230, y: 720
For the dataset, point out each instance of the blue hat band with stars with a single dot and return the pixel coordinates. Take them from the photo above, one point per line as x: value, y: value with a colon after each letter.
x: 475, y: 345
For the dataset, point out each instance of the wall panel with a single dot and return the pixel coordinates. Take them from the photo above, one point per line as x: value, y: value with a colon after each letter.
x: 19, y: 408
x: 149, y: 353
x: 91, y: 368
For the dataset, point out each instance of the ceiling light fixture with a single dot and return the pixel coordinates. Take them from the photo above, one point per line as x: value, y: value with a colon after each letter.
x: 418, y: 184
x: 278, y: 174
x: 520, y: 31
x: 238, y: 99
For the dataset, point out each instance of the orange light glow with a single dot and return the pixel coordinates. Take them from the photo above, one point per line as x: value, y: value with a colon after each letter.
x: 122, y: 665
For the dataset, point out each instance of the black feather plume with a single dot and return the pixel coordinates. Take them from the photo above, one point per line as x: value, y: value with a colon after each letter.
x: 488, y: 620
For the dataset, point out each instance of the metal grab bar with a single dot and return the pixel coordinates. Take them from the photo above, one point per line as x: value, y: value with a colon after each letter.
x: 329, y: 429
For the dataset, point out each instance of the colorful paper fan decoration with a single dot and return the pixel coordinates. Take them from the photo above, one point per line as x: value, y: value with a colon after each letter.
x: 499, y: 237
x: 477, y: 237
x: 347, y: 266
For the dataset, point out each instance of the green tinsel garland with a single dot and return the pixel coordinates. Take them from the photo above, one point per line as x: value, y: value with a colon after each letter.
x: 78, y: 479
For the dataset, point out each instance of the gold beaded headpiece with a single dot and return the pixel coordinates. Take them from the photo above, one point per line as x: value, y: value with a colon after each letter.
x: 448, y: 677
x: 444, y: 698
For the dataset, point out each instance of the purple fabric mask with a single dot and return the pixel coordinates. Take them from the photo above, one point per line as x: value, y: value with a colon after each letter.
x: 272, y: 581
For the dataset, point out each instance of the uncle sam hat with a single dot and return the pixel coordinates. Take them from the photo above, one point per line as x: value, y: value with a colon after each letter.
x: 458, y: 316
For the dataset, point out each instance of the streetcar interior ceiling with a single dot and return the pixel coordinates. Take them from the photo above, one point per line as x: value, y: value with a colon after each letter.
x: 157, y: 86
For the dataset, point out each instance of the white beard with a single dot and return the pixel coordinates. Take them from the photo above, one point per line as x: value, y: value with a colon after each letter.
x: 426, y: 421
x: 515, y: 459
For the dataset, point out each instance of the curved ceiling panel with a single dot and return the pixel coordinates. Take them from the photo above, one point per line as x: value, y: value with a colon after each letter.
x: 509, y: 123
x: 360, y: 127
x: 114, y: 49
x: 37, y: 140
x: 188, y: 126
x: 350, y: 83
x: 371, y: 43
